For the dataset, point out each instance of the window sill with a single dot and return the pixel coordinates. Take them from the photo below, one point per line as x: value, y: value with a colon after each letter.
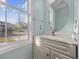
x: 7, y: 47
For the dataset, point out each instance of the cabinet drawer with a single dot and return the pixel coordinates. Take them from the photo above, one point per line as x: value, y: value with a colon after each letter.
x: 56, y: 55
x: 55, y: 42
x: 57, y: 46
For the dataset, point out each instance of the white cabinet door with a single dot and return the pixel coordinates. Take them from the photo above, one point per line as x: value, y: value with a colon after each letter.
x: 41, y: 52
x: 56, y: 55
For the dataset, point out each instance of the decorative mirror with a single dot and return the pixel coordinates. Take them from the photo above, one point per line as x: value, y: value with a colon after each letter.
x: 61, y: 16
x: 61, y: 13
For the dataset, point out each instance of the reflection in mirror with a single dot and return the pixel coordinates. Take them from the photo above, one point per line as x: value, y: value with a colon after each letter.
x: 61, y: 17
x: 61, y: 14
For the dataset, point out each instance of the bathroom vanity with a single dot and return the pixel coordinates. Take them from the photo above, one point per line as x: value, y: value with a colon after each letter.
x: 61, y: 46
x: 60, y: 43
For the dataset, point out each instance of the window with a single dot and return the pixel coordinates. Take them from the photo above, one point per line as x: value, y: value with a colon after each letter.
x: 21, y: 4
x: 2, y: 24
x: 13, y: 21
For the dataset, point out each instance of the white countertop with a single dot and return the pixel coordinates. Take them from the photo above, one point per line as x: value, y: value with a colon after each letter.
x: 61, y: 37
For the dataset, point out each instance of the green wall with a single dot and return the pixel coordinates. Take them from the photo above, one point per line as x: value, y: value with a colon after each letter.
x: 40, y: 17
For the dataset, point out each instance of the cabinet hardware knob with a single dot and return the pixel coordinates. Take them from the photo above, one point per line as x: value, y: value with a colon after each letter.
x: 47, y: 54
